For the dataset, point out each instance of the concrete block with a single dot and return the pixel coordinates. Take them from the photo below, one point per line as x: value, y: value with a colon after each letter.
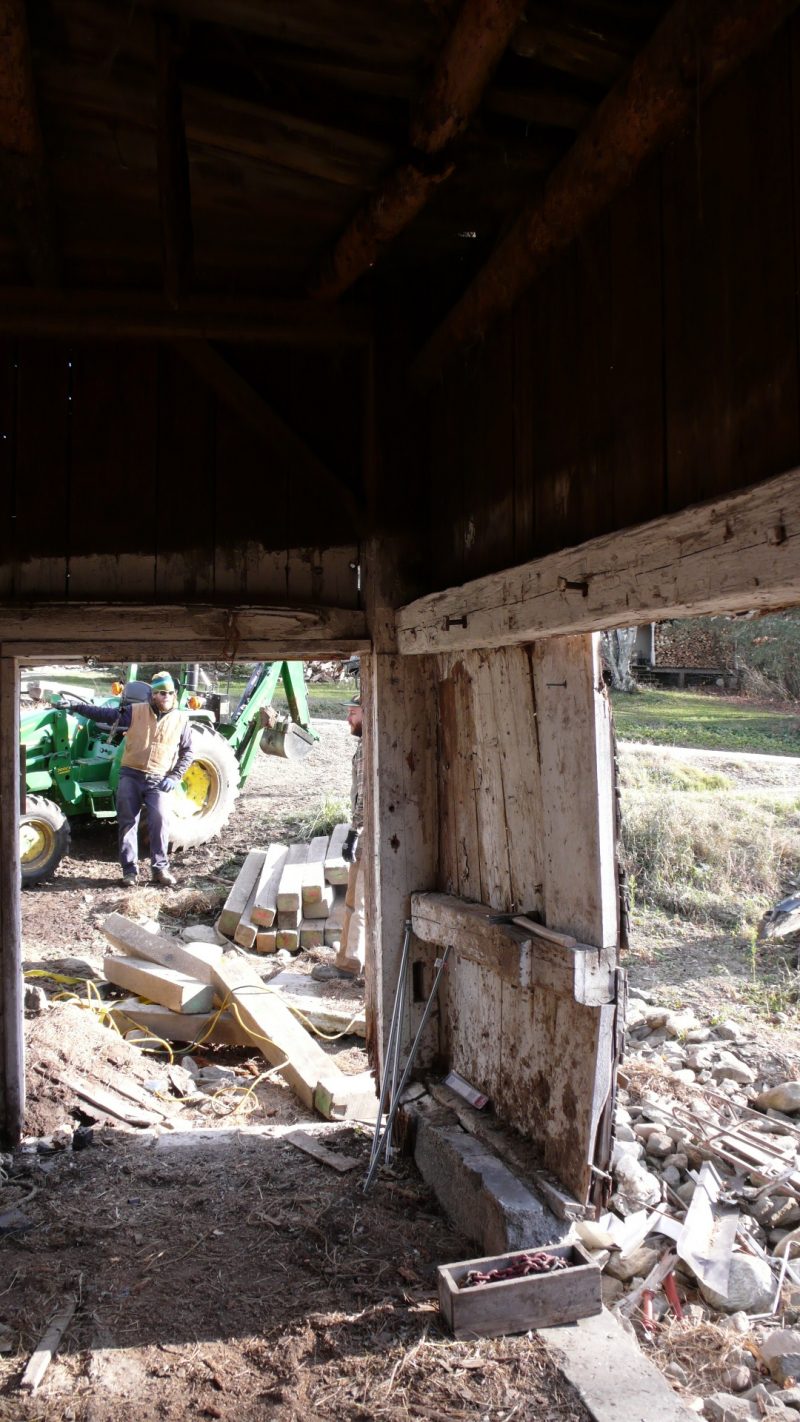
x: 484, y: 1200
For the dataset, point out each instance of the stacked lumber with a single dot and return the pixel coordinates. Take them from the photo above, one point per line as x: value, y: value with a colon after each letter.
x: 195, y: 991
x: 288, y: 896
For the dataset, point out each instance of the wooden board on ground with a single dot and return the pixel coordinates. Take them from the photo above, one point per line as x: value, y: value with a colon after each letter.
x: 162, y: 985
x: 321, y: 907
x: 334, y: 923
x: 236, y: 902
x: 265, y: 902
x: 332, y: 1007
x: 219, y: 1028
x: 134, y: 941
x: 266, y: 940
x: 291, y: 882
x: 303, y: 1141
x: 281, y: 1039
x: 336, y: 869
x: 111, y: 1105
x: 313, y: 882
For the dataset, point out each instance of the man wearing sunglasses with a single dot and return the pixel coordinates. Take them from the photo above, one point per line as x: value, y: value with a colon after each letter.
x: 157, y: 755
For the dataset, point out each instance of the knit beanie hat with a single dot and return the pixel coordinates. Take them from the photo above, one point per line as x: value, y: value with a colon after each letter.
x: 162, y: 681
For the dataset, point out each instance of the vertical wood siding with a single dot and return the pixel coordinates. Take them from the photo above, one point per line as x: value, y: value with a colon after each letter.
x: 655, y: 365
x: 526, y: 824
x: 124, y: 478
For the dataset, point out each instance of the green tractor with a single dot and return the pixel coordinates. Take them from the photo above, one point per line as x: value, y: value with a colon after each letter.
x: 72, y: 764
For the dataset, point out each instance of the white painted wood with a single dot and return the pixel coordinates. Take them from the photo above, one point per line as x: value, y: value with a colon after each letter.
x: 577, y: 780
x: 735, y: 554
x: 12, y: 1059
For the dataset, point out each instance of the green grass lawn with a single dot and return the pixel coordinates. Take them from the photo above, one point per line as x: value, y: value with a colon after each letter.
x: 704, y: 722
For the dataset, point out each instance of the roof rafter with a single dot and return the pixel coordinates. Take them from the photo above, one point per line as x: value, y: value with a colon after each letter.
x: 693, y: 49
x: 252, y: 409
x: 465, y: 65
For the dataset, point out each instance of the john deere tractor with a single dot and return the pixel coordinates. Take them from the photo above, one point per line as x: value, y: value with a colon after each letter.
x: 72, y: 764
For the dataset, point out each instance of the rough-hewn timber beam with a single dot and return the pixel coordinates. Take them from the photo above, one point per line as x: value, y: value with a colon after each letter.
x: 467, y: 61
x: 174, y: 192
x: 180, y: 632
x: 694, y: 48
x: 23, y: 176
x: 737, y: 554
x: 279, y: 438
x: 126, y: 315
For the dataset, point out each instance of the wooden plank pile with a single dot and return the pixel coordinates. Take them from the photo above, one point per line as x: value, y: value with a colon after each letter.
x: 288, y: 896
x: 196, y: 991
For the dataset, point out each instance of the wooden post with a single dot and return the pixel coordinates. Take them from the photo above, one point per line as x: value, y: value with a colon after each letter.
x: 577, y: 772
x: 401, y: 851
x: 12, y: 1060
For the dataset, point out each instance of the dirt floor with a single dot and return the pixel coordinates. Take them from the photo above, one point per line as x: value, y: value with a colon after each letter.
x: 217, y: 1270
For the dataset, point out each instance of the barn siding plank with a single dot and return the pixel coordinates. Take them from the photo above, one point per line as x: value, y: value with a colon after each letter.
x: 493, y: 845
x: 731, y: 350
x: 113, y: 444
x: 518, y: 742
x: 186, y: 450
x: 43, y: 438
x: 8, y: 456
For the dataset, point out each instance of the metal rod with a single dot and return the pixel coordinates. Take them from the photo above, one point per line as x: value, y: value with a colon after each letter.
x: 440, y: 967
x: 392, y: 1047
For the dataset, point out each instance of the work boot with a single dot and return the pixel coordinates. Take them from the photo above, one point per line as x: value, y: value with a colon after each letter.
x: 163, y: 876
x: 129, y: 879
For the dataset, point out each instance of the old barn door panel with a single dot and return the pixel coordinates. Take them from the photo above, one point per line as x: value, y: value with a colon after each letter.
x: 526, y: 824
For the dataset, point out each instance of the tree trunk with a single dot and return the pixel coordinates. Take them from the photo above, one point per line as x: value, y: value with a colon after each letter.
x: 617, y: 652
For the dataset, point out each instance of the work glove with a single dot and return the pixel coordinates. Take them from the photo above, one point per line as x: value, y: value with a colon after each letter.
x: 168, y: 783
x: 349, y: 846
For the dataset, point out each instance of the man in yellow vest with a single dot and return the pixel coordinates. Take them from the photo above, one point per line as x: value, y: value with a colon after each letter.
x: 157, y: 755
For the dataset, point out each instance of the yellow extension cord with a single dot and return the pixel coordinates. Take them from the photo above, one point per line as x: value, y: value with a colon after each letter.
x: 104, y: 1013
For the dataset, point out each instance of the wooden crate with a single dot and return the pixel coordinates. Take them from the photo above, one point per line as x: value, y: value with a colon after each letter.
x: 515, y: 1305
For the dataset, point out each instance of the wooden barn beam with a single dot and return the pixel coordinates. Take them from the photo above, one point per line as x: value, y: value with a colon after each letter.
x: 143, y: 316
x: 740, y: 553
x: 23, y: 173
x: 174, y: 191
x: 465, y: 65
x: 282, y: 441
x: 693, y: 49
x: 179, y: 632
x: 12, y: 1064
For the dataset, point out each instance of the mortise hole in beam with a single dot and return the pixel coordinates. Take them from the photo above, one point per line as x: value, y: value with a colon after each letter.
x: 418, y: 993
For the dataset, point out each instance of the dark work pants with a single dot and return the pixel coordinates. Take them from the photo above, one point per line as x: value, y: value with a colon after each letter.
x: 136, y: 789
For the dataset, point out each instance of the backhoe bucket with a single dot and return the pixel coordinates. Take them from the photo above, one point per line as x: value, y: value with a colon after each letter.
x: 286, y: 739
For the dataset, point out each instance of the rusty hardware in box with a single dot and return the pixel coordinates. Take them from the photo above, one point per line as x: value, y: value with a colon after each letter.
x: 535, y: 1262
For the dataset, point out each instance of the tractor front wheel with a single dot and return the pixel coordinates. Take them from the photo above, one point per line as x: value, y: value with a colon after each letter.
x: 201, y: 805
x: 43, y: 839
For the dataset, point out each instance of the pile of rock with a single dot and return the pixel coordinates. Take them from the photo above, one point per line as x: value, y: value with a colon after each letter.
x: 697, y: 1120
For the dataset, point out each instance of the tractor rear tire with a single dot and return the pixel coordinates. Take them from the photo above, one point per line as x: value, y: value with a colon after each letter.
x: 44, y: 835
x: 202, y: 804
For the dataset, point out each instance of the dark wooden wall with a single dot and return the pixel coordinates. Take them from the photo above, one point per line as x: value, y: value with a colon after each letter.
x: 123, y: 476
x: 654, y: 366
